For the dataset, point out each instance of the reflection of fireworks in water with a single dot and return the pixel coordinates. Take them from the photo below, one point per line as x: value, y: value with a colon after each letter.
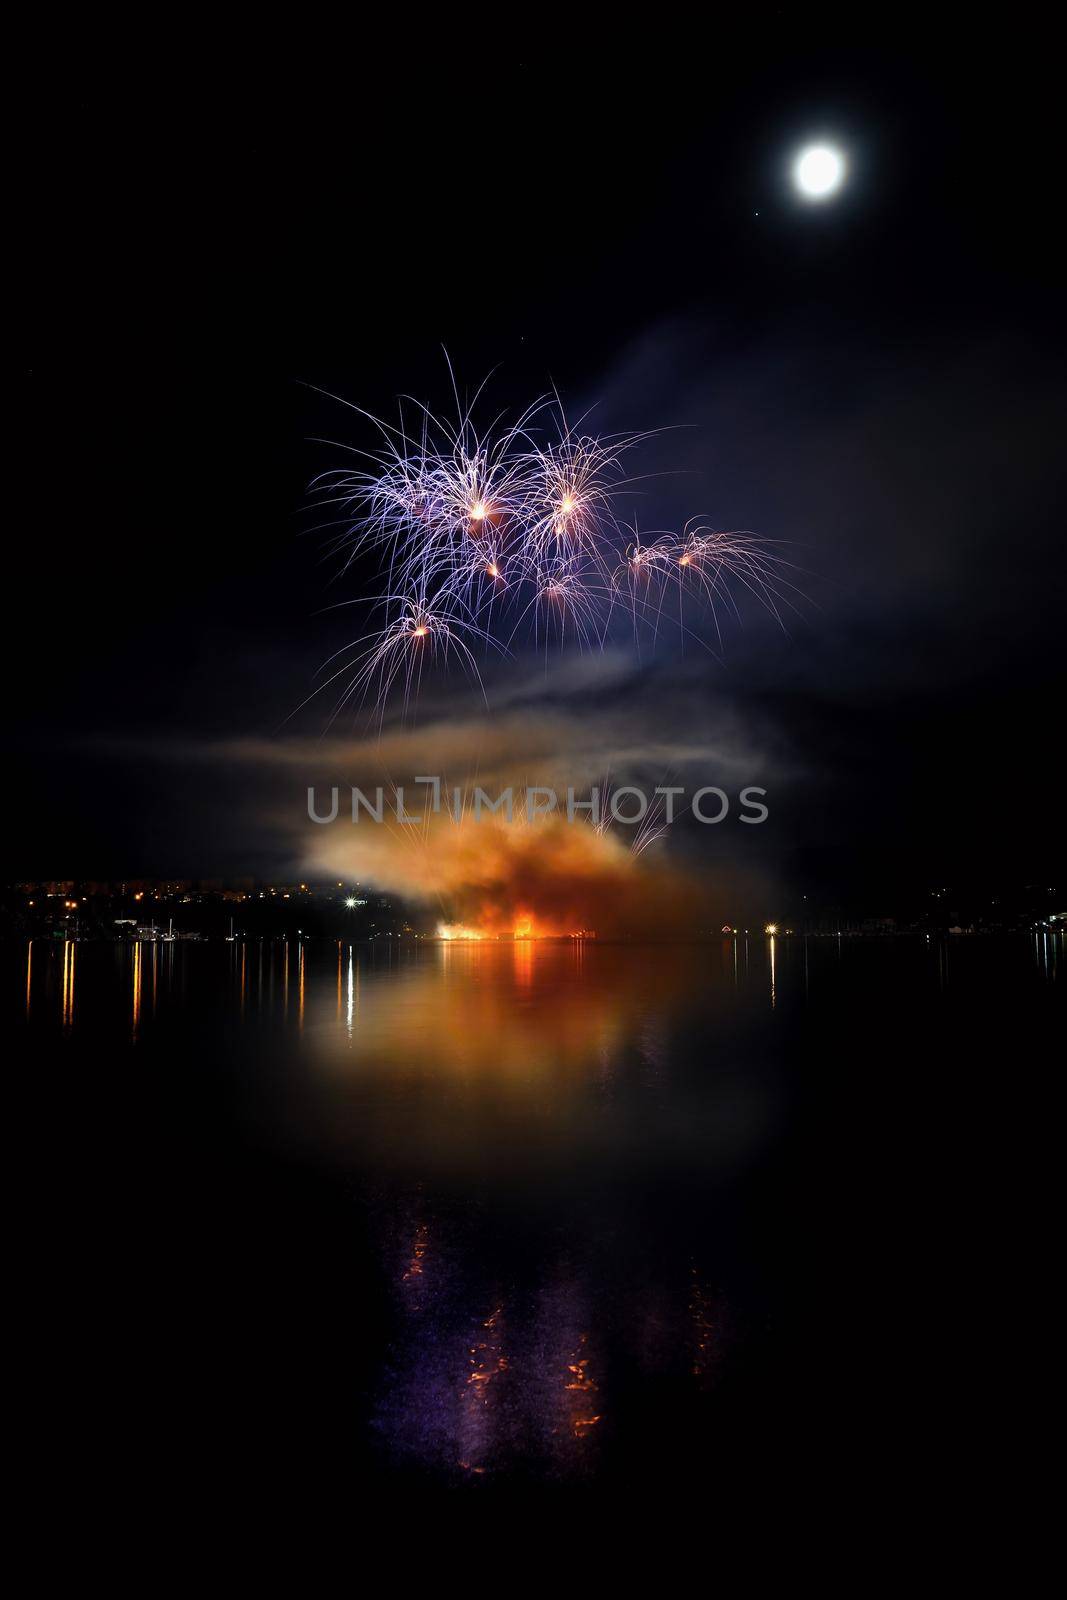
x: 485, y: 1380
x: 486, y: 539
x: 582, y: 1386
x: 486, y: 1362
x: 701, y: 1312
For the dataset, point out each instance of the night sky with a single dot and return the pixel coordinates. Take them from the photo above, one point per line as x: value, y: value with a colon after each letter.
x: 877, y: 380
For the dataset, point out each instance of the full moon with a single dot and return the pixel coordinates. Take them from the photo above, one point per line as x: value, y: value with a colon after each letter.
x: 819, y: 171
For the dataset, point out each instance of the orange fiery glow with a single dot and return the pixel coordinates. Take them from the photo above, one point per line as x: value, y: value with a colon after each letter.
x: 499, y: 875
x: 519, y: 925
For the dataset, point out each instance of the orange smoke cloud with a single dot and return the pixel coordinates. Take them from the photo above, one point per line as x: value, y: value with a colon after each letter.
x: 488, y: 874
x: 539, y: 878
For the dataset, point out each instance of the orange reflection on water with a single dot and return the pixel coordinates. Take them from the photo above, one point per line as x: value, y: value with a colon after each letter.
x: 69, y: 951
x: 136, y: 1020
x: 581, y: 1388
x: 486, y: 1361
x: 418, y: 1254
x: 445, y: 1053
x: 524, y: 961
x: 514, y: 1013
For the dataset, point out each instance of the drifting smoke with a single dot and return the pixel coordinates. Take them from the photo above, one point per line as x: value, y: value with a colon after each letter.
x: 545, y: 876
x: 488, y: 876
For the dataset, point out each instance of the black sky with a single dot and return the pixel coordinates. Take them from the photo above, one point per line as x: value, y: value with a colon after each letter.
x: 878, y: 380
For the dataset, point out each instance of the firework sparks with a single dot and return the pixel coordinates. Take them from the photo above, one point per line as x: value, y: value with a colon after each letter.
x: 510, y: 535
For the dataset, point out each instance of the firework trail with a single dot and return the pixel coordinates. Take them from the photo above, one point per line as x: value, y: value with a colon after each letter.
x: 486, y: 540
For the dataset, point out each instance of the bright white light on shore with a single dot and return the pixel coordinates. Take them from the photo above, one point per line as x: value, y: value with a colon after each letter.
x: 351, y: 903
x: 819, y: 171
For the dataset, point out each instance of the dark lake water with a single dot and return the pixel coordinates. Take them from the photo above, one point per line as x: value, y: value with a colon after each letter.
x: 531, y: 1216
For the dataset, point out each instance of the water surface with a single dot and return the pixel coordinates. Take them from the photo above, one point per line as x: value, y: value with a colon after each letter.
x: 526, y: 1214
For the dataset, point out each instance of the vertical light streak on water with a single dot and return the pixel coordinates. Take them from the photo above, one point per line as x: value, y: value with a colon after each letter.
x: 524, y: 958
x: 136, y: 1018
x: 69, y: 950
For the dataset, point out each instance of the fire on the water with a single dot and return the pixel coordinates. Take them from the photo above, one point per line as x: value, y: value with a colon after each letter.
x: 525, y: 928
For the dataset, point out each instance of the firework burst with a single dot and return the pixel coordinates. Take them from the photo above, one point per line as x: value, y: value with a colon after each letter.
x: 511, y: 535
